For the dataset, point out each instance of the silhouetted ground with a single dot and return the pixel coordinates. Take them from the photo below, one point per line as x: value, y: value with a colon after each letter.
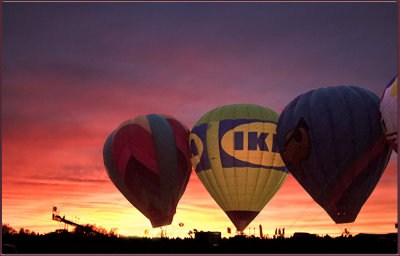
x: 73, y: 243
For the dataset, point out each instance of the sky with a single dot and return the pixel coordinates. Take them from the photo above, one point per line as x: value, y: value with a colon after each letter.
x: 72, y: 72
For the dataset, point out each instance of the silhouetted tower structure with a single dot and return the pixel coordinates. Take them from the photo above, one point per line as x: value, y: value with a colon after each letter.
x: 346, y: 233
x: 56, y: 217
x: 261, y: 232
x: 163, y: 232
x: 279, y: 233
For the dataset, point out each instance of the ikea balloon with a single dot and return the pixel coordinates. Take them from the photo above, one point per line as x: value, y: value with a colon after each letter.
x: 148, y: 160
x: 332, y: 142
x: 235, y: 156
x: 388, y: 108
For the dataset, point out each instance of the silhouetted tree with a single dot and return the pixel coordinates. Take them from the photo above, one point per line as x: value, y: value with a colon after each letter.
x: 84, y: 230
x: 7, y: 229
x: 23, y: 231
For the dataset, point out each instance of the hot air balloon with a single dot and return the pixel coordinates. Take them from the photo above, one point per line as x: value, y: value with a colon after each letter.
x: 388, y: 109
x: 332, y: 142
x: 148, y: 160
x: 235, y: 156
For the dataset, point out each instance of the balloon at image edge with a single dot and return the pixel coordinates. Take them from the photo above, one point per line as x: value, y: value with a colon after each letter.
x: 148, y: 160
x: 388, y: 108
x: 235, y: 156
x: 332, y: 142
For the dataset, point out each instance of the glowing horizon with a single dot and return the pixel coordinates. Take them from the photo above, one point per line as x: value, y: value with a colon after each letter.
x: 307, y: 216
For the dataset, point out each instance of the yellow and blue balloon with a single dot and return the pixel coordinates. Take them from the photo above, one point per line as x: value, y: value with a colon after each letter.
x: 234, y: 153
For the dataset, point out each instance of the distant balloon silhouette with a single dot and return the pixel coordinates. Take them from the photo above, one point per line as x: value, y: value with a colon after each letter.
x: 235, y: 156
x: 389, y: 112
x: 332, y: 142
x: 148, y: 160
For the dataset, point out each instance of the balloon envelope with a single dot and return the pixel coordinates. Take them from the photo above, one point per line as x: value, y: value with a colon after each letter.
x: 332, y: 142
x: 388, y: 107
x: 148, y: 160
x: 235, y: 156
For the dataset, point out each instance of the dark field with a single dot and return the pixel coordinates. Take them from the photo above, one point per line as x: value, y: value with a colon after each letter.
x: 72, y: 243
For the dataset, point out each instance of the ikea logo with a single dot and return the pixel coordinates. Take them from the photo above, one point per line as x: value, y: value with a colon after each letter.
x: 256, y: 136
x: 254, y: 142
x: 235, y: 143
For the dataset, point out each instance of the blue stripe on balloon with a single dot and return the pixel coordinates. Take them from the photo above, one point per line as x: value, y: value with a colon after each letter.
x: 166, y: 154
x: 201, y: 132
x: 108, y: 159
x: 391, y: 81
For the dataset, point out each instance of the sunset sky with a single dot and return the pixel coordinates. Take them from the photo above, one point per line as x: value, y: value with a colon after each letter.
x: 72, y: 72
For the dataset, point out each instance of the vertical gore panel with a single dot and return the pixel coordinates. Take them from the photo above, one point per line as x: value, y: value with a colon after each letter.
x: 216, y: 176
x: 166, y: 152
x: 182, y: 141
